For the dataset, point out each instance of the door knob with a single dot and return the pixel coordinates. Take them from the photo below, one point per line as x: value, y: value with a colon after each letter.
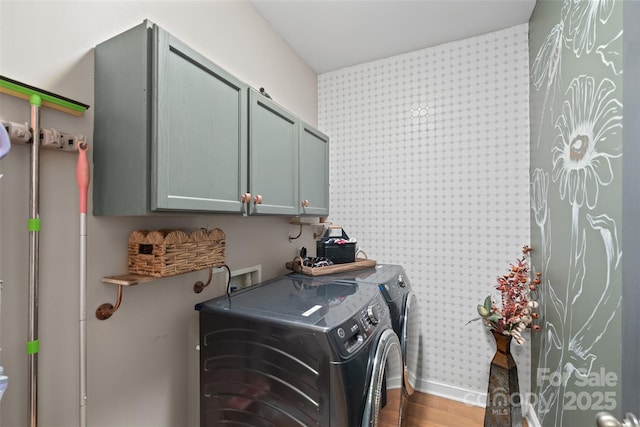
x: 605, y: 419
x: 246, y: 198
x: 305, y: 203
x: 258, y: 199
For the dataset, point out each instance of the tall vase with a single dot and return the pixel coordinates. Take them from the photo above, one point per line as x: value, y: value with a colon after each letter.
x: 503, y: 395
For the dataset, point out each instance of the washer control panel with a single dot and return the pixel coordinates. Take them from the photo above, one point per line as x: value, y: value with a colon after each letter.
x: 355, y: 332
x: 371, y: 315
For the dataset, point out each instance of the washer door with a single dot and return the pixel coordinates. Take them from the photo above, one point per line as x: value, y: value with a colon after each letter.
x: 384, y: 397
x: 411, y: 342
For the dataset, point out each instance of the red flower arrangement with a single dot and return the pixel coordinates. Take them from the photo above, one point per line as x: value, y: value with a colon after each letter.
x: 517, y: 312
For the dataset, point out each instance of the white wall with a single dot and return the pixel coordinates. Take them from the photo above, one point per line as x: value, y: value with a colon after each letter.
x: 140, y: 363
x: 430, y: 169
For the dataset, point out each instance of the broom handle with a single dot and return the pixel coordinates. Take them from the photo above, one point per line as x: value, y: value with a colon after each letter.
x: 82, y: 176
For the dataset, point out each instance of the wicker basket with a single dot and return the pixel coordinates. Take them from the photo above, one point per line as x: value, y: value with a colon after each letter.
x: 165, y: 253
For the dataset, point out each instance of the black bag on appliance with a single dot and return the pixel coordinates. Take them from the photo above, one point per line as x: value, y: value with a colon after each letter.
x: 335, y: 246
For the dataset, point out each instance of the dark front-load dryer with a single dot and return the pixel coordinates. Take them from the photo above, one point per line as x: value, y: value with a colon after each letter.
x: 290, y: 353
x: 394, y: 285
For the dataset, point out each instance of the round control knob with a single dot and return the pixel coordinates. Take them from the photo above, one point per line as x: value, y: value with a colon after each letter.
x: 373, y: 315
x: 401, y: 282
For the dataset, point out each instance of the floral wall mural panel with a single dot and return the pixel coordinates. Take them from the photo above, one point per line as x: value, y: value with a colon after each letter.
x: 575, y: 199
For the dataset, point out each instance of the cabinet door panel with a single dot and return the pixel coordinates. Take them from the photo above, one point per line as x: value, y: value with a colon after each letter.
x: 273, y: 157
x: 199, y: 161
x: 121, y: 132
x: 314, y: 171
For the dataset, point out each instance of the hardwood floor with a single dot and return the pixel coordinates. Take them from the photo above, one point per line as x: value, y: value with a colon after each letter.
x: 426, y: 410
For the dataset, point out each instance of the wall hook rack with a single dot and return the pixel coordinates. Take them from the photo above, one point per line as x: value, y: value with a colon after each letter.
x: 52, y: 139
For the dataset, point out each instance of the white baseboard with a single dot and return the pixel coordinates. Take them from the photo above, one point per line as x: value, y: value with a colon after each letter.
x: 470, y: 397
x: 451, y: 392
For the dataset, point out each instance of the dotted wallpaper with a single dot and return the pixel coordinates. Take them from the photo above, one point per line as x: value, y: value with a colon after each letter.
x: 430, y: 169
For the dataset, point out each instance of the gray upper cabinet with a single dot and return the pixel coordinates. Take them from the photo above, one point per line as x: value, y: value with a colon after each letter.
x: 170, y: 130
x: 173, y: 132
x: 273, y: 157
x: 314, y: 171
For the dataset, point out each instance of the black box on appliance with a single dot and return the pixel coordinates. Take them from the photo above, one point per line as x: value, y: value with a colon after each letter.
x: 339, y: 253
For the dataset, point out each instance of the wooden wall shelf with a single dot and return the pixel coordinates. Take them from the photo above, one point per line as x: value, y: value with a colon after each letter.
x: 129, y: 279
x: 106, y: 310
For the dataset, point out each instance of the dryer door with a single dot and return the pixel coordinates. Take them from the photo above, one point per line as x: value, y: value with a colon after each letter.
x: 411, y: 342
x: 384, y: 397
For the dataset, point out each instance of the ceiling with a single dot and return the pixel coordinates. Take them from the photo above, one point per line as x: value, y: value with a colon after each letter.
x: 333, y: 34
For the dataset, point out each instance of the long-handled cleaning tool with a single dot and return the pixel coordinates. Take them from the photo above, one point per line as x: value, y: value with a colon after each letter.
x: 5, y: 146
x: 33, y: 345
x: 82, y: 176
x: 37, y: 98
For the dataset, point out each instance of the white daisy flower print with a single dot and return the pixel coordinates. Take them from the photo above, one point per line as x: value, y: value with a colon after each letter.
x: 581, y: 158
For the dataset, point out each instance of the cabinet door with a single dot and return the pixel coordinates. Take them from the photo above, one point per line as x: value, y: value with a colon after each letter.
x: 199, y: 158
x: 314, y: 171
x: 121, y: 132
x: 273, y: 157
